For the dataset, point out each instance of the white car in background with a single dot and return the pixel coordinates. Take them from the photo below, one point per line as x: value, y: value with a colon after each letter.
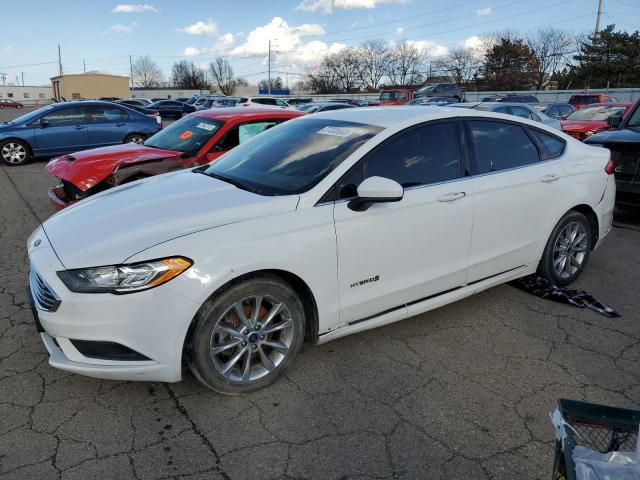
x: 522, y: 110
x: 269, y: 102
x: 323, y: 226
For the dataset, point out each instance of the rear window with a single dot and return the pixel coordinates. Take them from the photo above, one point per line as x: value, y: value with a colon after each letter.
x: 552, y: 146
x: 583, y: 99
x: 601, y: 112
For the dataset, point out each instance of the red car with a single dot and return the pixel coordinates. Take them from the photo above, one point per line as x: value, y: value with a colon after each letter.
x: 579, y: 100
x: 196, y: 139
x: 6, y: 103
x: 593, y: 118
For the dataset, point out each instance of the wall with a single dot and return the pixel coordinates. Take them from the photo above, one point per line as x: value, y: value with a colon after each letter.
x: 27, y: 95
x: 622, y: 94
x: 90, y: 85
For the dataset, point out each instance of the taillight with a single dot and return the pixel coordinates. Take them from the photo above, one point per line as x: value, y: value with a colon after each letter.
x: 610, y: 168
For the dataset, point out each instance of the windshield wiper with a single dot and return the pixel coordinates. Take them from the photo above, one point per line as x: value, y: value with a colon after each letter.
x: 236, y: 183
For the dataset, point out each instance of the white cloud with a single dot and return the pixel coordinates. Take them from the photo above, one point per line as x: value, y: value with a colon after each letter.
x: 225, y: 41
x: 484, y: 11
x: 134, y: 8
x: 399, y: 31
x: 201, y: 28
x: 429, y: 47
x: 222, y: 46
x: 473, y: 43
x: 120, y: 28
x: 7, y: 49
x: 328, y: 6
x: 192, y: 51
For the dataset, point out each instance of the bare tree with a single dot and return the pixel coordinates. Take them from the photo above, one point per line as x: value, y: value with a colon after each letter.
x: 186, y: 74
x: 241, y: 82
x: 222, y: 75
x: 320, y: 79
x: 460, y: 65
x: 407, y: 64
x: 375, y: 56
x: 345, y: 65
x: 146, y: 72
x: 553, y: 48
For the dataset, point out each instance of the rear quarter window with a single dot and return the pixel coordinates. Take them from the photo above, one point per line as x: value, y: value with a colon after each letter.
x: 552, y: 146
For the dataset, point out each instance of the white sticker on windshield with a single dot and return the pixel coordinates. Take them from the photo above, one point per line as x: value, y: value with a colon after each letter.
x: 205, y: 126
x: 336, y: 131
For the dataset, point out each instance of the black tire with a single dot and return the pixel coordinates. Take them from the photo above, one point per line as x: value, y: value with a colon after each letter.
x: 576, y: 252
x: 132, y: 138
x: 218, y: 311
x: 19, y: 147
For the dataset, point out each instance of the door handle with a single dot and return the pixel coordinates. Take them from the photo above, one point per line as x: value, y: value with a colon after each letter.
x: 451, y: 197
x: 552, y: 177
x: 119, y: 124
x: 80, y: 127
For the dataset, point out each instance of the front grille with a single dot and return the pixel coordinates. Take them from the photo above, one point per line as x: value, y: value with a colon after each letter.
x: 43, y: 295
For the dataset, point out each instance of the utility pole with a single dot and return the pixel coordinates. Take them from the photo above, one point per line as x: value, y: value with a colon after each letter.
x: 59, y: 61
x: 84, y: 66
x: 269, y: 74
x: 22, y: 78
x: 131, y: 71
x: 3, y: 76
x: 598, y: 17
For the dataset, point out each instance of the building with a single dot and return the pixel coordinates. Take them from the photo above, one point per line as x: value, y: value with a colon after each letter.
x: 89, y: 85
x: 27, y: 95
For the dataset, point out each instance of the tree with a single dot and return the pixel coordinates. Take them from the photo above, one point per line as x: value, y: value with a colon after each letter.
x: 374, y: 56
x: 319, y: 79
x: 406, y: 65
x: 460, y: 65
x: 146, y: 72
x: 185, y: 74
x: 552, y: 48
x: 276, y: 84
x: 345, y: 66
x: 241, y: 82
x: 510, y: 65
x: 222, y: 75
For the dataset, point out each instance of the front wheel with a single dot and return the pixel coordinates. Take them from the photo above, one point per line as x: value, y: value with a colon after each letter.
x: 567, y: 250
x: 247, y: 335
x: 14, y: 152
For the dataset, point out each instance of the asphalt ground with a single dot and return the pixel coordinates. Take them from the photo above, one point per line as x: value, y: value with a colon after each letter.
x: 464, y: 391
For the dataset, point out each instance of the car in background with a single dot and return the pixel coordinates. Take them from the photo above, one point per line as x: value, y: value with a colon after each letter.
x: 194, y: 140
x: 623, y: 141
x: 518, y: 109
x: 8, y: 103
x: 593, y: 118
x: 431, y: 101
x: 395, y: 96
x: 171, y: 108
x: 295, y: 102
x: 217, y: 102
x: 517, y: 98
x: 265, y: 102
x: 579, y: 100
x: 144, y: 110
x: 349, y: 101
x: 450, y: 90
x: 325, y: 226
x: 325, y: 107
x: 68, y: 127
x: 557, y: 110
x: 134, y: 102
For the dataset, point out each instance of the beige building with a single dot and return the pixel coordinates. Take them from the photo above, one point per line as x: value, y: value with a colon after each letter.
x: 89, y: 85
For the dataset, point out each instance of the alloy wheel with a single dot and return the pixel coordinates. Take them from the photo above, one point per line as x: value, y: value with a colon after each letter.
x: 14, y: 153
x: 251, y: 338
x: 569, y: 250
x: 135, y: 139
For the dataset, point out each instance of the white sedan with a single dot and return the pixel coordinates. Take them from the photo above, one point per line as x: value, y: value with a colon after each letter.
x: 321, y: 227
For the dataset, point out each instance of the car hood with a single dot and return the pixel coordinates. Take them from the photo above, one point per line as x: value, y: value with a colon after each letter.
x: 110, y: 227
x: 89, y: 167
x: 625, y: 136
x: 583, y: 125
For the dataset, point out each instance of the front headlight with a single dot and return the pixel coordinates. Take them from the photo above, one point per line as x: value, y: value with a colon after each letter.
x: 124, y: 278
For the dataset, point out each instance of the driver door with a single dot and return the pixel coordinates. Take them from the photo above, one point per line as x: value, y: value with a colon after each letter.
x: 400, y: 253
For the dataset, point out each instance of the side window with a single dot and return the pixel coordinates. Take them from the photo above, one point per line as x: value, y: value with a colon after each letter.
x: 502, y: 110
x: 522, y: 112
x: 499, y: 146
x: 420, y: 156
x: 107, y: 114
x: 552, y: 146
x: 250, y: 130
x: 280, y: 103
x: 565, y: 110
x: 67, y: 116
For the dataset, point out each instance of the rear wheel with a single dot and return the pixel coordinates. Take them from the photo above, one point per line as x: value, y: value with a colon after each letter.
x: 135, y: 138
x: 246, y: 336
x: 14, y: 152
x: 567, y: 250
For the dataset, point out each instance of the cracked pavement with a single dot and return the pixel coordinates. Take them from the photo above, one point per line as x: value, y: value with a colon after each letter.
x: 460, y: 392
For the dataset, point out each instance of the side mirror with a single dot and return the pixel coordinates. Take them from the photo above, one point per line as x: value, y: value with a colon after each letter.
x: 376, y: 190
x: 44, y: 123
x: 614, y: 121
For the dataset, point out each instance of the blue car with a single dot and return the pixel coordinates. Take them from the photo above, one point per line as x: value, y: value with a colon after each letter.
x: 71, y: 126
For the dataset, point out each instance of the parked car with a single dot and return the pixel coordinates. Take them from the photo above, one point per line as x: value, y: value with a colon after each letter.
x: 593, y: 118
x: 348, y: 101
x: 395, y: 96
x: 194, y: 140
x: 145, y: 111
x: 217, y: 102
x: 295, y: 102
x: 70, y: 127
x: 519, y: 110
x: 438, y: 101
x: 579, y: 100
x: 325, y: 107
x: 8, y: 103
x: 623, y: 140
x: 265, y: 102
x: 327, y: 225
x: 516, y: 98
x: 134, y: 102
x: 557, y: 110
x: 450, y: 90
x: 171, y: 108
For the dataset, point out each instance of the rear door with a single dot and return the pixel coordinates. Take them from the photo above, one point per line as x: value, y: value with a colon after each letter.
x: 108, y: 125
x: 64, y: 130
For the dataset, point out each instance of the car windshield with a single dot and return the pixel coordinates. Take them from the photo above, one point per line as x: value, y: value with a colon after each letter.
x: 634, y: 119
x: 601, y: 112
x: 389, y: 95
x: 291, y: 158
x: 27, y: 117
x: 306, y: 106
x: 428, y: 88
x: 187, y: 135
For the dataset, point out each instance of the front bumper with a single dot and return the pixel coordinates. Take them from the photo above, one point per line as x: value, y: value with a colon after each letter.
x: 153, y: 323
x: 59, y: 198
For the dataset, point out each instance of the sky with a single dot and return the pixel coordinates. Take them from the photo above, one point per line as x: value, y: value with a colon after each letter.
x: 101, y: 34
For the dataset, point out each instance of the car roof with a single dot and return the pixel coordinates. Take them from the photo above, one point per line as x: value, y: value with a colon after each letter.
x: 609, y: 104
x: 227, y: 114
x: 508, y: 104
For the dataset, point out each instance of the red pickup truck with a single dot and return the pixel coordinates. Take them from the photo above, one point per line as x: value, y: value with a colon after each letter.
x: 395, y: 96
x: 579, y: 100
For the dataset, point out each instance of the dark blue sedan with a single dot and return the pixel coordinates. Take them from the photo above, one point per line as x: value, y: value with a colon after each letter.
x: 71, y: 126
